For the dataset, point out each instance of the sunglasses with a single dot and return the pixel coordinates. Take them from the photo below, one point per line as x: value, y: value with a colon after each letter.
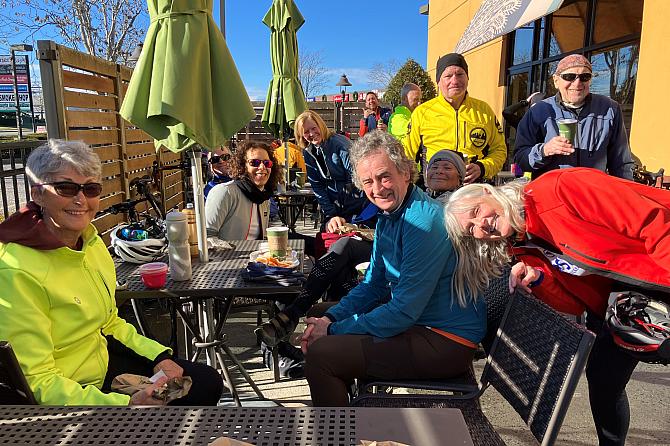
x: 571, y: 77
x: 257, y: 163
x: 70, y: 189
x: 215, y: 159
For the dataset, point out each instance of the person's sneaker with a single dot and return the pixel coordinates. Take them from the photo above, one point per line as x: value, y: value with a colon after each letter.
x: 276, y: 330
x: 291, y: 361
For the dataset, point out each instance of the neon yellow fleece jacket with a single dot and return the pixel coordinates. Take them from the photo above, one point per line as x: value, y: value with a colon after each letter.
x: 56, y: 306
x: 473, y: 129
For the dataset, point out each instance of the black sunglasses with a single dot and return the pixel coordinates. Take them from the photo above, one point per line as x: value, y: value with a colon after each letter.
x: 570, y: 77
x: 257, y: 162
x: 70, y: 189
x: 215, y: 159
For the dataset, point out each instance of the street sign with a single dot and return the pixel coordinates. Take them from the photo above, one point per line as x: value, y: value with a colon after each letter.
x: 7, y: 104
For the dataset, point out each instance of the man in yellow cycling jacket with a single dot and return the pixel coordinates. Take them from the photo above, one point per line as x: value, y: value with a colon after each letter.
x: 456, y: 121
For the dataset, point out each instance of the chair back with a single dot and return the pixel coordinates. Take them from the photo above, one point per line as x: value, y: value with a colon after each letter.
x: 535, y: 363
x: 496, y: 296
x: 14, y: 388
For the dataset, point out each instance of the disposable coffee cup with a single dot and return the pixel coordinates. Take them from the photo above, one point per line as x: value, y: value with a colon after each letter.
x: 300, y: 179
x: 567, y: 128
x: 278, y: 242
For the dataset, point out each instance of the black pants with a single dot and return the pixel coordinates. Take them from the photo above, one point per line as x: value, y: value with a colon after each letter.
x: 334, y: 272
x: 333, y: 362
x: 207, y: 383
x: 608, y: 371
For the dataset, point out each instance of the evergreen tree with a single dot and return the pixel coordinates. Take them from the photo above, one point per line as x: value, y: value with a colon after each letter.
x: 410, y: 72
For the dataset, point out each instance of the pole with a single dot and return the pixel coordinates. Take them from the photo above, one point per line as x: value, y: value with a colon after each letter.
x: 17, y: 104
x: 30, y: 96
x: 199, y: 202
x: 222, y: 17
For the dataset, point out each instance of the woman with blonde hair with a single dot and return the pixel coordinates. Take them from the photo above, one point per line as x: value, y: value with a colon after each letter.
x: 329, y: 170
x: 574, y: 233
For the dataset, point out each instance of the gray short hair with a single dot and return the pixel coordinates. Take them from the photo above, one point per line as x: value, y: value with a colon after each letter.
x: 52, y: 158
x: 404, y: 91
x: 378, y: 141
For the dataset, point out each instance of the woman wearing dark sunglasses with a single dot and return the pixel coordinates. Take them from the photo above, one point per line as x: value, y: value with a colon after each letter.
x: 219, y: 165
x: 57, y: 284
x: 241, y: 210
x: 601, y: 141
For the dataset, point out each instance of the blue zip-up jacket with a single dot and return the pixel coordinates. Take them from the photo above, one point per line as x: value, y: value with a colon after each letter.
x: 602, y: 142
x: 413, y: 261
x: 334, y: 188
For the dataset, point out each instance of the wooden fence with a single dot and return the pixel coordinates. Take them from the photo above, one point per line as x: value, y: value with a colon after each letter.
x: 353, y: 112
x: 82, y: 98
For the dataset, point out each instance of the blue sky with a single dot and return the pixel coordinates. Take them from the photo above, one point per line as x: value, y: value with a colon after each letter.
x: 352, y: 35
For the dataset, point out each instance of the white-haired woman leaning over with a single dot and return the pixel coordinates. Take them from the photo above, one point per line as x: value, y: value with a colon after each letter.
x: 57, y: 284
x: 574, y: 233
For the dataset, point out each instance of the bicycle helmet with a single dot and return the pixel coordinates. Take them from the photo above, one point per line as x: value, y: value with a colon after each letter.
x: 137, y: 251
x: 641, y: 326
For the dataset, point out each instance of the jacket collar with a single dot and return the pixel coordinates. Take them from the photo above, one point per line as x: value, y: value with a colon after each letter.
x: 397, y: 212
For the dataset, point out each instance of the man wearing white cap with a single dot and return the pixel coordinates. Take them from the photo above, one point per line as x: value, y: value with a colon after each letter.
x: 600, y: 142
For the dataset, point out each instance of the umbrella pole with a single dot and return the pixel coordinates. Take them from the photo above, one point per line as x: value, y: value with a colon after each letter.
x: 199, y: 202
x: 286, y: 168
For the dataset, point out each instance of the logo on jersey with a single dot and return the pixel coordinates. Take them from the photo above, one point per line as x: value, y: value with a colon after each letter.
x: 478, y: 137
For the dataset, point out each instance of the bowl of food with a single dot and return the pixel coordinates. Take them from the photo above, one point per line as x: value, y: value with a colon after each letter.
x: 265, y: 258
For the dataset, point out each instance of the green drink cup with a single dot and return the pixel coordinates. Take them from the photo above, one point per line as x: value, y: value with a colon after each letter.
x: 278, y: 242
x: 567, y: 128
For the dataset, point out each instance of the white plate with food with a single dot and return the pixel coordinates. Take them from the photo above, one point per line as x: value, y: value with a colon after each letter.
x: 264, y: 257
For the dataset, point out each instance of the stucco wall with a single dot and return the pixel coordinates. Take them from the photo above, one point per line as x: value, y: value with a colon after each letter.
x: 651, y: 120
x: 446, y: 22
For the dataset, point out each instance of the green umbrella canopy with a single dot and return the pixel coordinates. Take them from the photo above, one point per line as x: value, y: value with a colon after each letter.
x: 185, y: 88
x: 285, y: 99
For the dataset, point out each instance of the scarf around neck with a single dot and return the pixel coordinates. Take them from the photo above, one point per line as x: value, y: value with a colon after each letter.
x: 251, y: 191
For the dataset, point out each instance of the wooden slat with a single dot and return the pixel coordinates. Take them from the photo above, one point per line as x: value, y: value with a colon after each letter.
x: 170, y: 157
x: 173, y: 177
x: 82, y: 61
x: 86, y: 100
x: 141, y: 149
x: 111, y: 169
x: 140, y: 163
x: 99, y: 136
x: 137, y: 135
x: 110, y: 201
x: 173, y: 202
x: 111, y: 185
x: 108, y: 221
x: 107, y: 153
x: 84, y: 81
x: 138, y: 174
x: 173, y: 189
x: 90, y: 119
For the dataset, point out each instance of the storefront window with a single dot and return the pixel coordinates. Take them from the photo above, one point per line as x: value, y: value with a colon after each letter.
x: 616, y: 18
x: 549, y: 88
x: 523, y: 44
x: 539, y: 53
x: 568, y: 26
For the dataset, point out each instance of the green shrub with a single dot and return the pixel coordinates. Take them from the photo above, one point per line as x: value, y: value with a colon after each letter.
x: 411, y: 71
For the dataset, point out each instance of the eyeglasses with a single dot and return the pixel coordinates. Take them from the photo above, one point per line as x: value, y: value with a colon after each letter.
x: 571, y: 77
x: 215, y: 159
x: 257, y: 162
x: 70, y: 189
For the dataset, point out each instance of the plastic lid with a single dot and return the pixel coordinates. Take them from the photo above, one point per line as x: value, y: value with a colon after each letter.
x: 154, y: 267
x: 189, y: 206
x: 176, y: 216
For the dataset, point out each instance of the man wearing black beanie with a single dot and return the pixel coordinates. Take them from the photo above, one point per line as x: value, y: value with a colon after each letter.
x: 456, y: 121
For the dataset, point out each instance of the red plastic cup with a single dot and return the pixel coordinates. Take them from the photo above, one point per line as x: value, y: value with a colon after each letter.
x: 154, y: 275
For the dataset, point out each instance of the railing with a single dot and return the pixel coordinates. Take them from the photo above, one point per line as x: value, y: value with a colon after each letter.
x: 13, y: 181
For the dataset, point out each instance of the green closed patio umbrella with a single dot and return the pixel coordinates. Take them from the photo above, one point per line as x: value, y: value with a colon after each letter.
x: 285, y: 99
x: 186, y: 91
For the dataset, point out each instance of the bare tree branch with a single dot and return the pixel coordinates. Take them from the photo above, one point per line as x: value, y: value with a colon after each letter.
x: 104, y: 28
x: 311, y: 72
x: 381, y: 73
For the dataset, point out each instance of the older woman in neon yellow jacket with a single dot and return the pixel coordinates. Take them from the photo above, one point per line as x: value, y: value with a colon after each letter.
x: 57, y: 284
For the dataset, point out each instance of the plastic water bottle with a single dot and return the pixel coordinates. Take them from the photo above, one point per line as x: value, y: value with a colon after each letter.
x: 178, y: 248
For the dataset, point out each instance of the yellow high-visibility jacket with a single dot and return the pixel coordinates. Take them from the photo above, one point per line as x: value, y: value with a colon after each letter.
x: 473, y: 130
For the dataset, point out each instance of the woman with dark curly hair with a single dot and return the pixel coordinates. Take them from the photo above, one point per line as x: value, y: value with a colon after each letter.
x: 241, y: 210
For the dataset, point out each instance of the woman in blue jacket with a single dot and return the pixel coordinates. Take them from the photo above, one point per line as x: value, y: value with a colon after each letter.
x: 328, y: 169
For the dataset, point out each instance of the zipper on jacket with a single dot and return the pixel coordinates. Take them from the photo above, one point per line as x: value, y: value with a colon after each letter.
x: 594, y: 259
x: 456, y: 127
